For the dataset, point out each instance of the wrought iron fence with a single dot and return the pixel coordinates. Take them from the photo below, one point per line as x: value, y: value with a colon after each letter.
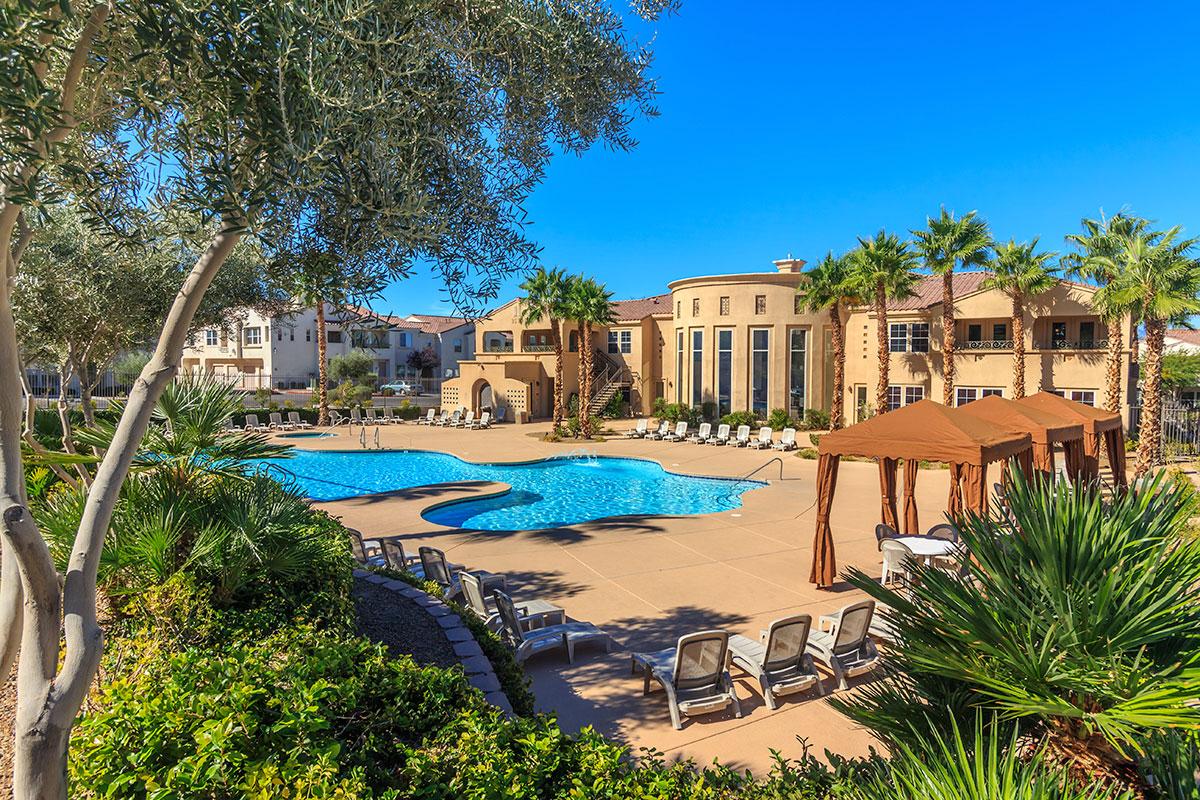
x: 1180, y: 428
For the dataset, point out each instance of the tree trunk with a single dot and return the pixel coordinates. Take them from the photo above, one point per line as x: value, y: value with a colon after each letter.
x: 885, y: 356
x: 948, y: 340
x: 585, y: 390
x: 1133, y: 348
x: 1018, y: 334
x: 322, y: 368
x: 836, y: 410
x: 49, y: 697
x: 556, y: 336
x: 1149, y: 452
x: 1112, y: 394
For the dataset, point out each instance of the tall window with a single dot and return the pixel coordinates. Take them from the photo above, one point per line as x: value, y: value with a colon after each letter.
x: 1058, y: 334
x: 974, y: 333
x: 999, y: 332
x: 210, y: 338
x: 797, y: 361
x: 613, y: 344
x: 308, y: 335
x: 724, y: 372
x: 1087, y: 334
x: 760, y: 304
x: 253, y: 336
x: 724, y: 307
x: 333, y: 337
x: 897, y: 337
x: 697, y: 365
x: 679, y: 366
x: 760, y: 367
x: 919, y: 337
x: 695, y: 306
x: 908, y: 337
x: 798, y: 304
x: 678, y: 309
x: 620, y: 342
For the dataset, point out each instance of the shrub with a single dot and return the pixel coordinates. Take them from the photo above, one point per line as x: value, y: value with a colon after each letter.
x: 1080, y: 619
x: 675, y: 412
x: 348, y: 393
x: 387, y: 391
x: 407, y: 410
x: 815, y: 439
x: 779, y: 419
x: 739, y: 418
x: 298, y: 714
x: 816, y: 419
x: 708, y: 411
x: 262, y: 396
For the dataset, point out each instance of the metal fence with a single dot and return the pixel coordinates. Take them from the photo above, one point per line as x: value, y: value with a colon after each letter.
x: 1180, y: 428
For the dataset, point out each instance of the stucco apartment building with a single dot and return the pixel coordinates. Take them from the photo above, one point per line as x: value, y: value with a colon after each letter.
x: 281, y: 352
x: 742, y: 342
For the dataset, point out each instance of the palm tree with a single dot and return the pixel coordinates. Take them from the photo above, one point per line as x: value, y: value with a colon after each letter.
x: 1099, y: 259
x: 1020, y: 272
x: 590, y: 305
x: 829, y: 287
x: 947, y: 243
x: 882, y: 270
x: 545, y: 298
x: 1158, y: 282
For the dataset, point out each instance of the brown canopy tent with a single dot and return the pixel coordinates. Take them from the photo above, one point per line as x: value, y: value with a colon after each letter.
x: 923, y: 431
x: 1097, y: 425
x: 1045, y: 428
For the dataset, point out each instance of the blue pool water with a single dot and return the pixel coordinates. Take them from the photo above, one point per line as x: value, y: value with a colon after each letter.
x: 545, y: 494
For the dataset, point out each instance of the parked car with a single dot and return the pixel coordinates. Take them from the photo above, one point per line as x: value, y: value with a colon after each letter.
x: 403, y: 388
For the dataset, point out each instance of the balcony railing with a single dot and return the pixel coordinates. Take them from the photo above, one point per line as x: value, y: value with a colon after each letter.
x: 993, y: 344
x: 1080, y: 344
x: 496, y: 347
x: 537, y: 348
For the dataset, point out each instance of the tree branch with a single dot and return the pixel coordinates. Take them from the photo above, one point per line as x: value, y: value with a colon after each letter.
x: 75, y: 67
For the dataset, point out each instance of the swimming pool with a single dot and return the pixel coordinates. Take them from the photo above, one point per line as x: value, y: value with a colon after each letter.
x: 545, y: 494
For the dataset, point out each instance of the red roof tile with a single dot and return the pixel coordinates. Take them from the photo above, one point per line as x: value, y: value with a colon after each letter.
x: 1185, y: 335
x: 928, y: 290
x: 631, y: 310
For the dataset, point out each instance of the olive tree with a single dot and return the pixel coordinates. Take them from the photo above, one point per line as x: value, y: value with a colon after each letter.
x: 428, y: 123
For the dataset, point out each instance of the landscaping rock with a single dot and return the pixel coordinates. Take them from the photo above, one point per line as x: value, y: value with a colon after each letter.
x: 485, y: 683
x: 390, y: 618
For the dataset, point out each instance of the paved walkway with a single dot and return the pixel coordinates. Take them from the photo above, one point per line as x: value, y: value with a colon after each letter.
x: 650, y: 579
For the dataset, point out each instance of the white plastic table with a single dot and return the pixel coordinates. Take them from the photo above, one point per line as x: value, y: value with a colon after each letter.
x: 927, y: 547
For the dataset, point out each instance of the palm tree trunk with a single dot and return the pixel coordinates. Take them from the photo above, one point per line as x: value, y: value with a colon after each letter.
x: 1018, y: 334
x: 1149, y: 452
x: 556, y: 337
x: 948, y: 342
x: 836, y: 411
x: 885, y: 356
x: 1112, y: 394
x: 322, y: 367
x: 585, y: 382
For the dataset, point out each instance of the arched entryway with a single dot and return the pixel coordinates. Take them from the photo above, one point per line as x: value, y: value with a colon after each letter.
x: 483, y: 397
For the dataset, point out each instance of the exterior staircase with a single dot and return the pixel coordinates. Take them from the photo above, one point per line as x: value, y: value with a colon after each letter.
x: 609, y: 377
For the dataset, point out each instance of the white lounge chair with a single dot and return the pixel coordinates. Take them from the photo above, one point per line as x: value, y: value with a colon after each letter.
x: 678, y: 434
x: 779, y: 661
x: 428, y: 418
x: 336, y: 418
x: 448, y: 421
x: 787, y: 441
x: 252, y: 424
x: 848, y: 652
x: 466, y: 421
x: 295, y: 421
x: 638, y: 431
x: 531, y: 613
x: 372, y: 419
x: 356, y: 416
x: 743, y: 436
x: 693, y: 673
x: 526, y: 643
x: 703, y: 435
x: 484, y: 421
x: 386, y: 417
x: 276, y: 422
x: 722, y: 435
x: 663, y: 429
x: 764, y: 439
x: 436, y: 568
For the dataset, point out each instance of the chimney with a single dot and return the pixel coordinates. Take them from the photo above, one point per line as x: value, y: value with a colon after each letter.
x: 790, y: 264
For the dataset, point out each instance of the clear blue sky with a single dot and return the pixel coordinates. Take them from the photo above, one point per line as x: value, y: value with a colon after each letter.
x: 795, y: 126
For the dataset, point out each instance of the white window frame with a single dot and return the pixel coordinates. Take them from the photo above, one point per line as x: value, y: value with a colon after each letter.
x: 905, y: 393
x: 252, y: 341
x: 210, y: 338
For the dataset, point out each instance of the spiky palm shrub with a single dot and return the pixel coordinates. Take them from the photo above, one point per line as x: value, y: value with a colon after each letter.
x: 987, y: 766
x: 1079, y: 620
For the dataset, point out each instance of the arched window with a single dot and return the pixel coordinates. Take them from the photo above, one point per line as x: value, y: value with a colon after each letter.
x: 573, y: 342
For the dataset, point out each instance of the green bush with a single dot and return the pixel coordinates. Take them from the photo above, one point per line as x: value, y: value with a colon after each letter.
x: 299, y: 714
x: 739, y: 418
x: 262, y: 396
x: 816, y: 420
x: 1080, y: 619
x: 408, y: 410
x: 676, y: 412
x: 780, y: 419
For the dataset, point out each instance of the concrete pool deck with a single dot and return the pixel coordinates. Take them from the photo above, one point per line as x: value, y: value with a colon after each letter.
x: 647, y: 580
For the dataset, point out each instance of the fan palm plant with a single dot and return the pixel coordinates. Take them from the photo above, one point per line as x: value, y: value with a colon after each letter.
x: 590, y: 304
x: 1159, y: 281
x: 545, y: 299
x: 829, y: 288
x: 1098, y: 258
x: 1020, y: 272
x: 1076, y: 617
x: 881, y: 269
x: 946, y: 243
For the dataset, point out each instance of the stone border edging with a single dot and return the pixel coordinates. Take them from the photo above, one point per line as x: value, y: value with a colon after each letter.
x: 475, y: 664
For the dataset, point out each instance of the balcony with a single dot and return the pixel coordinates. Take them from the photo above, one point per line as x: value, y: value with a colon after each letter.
x: 537, y: 348
x: 1066, y: 344
x: 991, y: 344
x: 497, y: 347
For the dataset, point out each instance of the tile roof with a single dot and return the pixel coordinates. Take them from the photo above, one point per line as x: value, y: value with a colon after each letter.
x: 630, y: 310
x: 425, y: 323
x: 928, y: 290
x: 434, y: 323
x: 1185, y: 335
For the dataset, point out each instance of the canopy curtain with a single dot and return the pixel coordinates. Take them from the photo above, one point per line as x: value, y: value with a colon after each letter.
x: 955, y: 504
x: 1043, y: 459
x: 887, y: 492
x: 975, y: 494
x: 1091, y: 454
x: 1075, y: 459
x: 824, y: 566
x: 1114, y: 441
x: 912, y: 525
